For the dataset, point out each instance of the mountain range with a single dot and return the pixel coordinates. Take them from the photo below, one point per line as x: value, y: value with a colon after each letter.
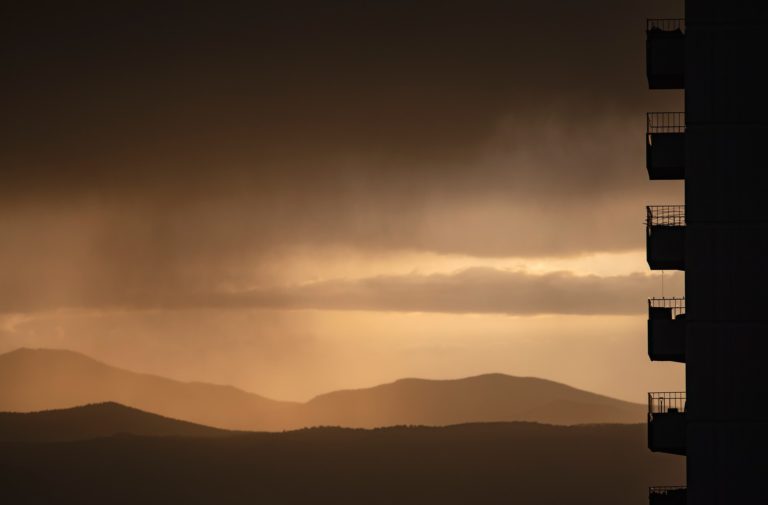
x: 68, y: 456
x: 111, y: 453
x: 35, y: 380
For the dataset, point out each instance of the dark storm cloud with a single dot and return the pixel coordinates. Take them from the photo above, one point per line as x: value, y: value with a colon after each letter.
x: 181, y: 102
x: 147, y: 147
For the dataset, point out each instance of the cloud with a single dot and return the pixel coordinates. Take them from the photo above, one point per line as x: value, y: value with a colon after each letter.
x: 474, y: 290
x: 324, y: 104
x: 170, y: 150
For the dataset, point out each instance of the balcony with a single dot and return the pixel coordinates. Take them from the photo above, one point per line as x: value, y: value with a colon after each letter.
x: 666, y: 329
x: 665, y: 53
x: 665, y: 237
x: 665, y: 145
x: 668, y: 495
x: 666, y: 422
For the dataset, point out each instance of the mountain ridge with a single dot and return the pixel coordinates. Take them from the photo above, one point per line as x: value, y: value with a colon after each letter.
x: 96, y: 420
x: 44, y: 379
x: 53, y: 379
x: 470, y: 463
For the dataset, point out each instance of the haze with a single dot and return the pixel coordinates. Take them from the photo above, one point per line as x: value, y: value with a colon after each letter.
x: 298, y: 197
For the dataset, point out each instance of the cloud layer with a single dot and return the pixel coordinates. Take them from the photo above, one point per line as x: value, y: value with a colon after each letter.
x: 160, y: 152
x: 474, y: 290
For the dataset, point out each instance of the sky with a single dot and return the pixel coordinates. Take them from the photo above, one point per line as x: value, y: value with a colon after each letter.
x: 296, y: 197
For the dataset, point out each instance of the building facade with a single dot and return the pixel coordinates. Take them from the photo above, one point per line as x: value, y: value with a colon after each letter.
x: 719, y: 332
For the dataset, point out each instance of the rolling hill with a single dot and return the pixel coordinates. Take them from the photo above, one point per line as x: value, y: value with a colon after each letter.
x: 484, y: 398
x: 473, y: 463
x: 52, y: 379
x: 95, y: 421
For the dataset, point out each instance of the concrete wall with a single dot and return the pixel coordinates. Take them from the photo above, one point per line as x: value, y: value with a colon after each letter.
x: 727, y: 251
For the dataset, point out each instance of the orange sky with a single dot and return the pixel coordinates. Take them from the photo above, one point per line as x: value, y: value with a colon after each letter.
x: 295, y: 199
x: 295, y: 353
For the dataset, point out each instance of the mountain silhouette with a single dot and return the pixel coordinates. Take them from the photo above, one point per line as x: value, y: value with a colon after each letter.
x: 36, y: 380
x: 485, y: 398
x: 95, y: 421
x: 53, y: 379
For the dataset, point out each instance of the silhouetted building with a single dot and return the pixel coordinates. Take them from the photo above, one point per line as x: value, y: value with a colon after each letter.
x: 719, y: 147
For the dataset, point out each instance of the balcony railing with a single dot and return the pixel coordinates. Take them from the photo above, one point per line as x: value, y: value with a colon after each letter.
x: 665, y: 122
x: 670, y: 25
x: 667, y: 495
x: 666, y: 329
x: 665, y: 215
x: 665, y: 53
x: 666, y: 403
x: 666, y: 422
x: 666, y: 307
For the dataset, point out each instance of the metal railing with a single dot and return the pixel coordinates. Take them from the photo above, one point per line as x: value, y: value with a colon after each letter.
x: 666, y: 25
x: 665, y: 403
x: 676, y: 305
x: 665, y: 215
x: 665, y: 122
x: 666, y: 490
